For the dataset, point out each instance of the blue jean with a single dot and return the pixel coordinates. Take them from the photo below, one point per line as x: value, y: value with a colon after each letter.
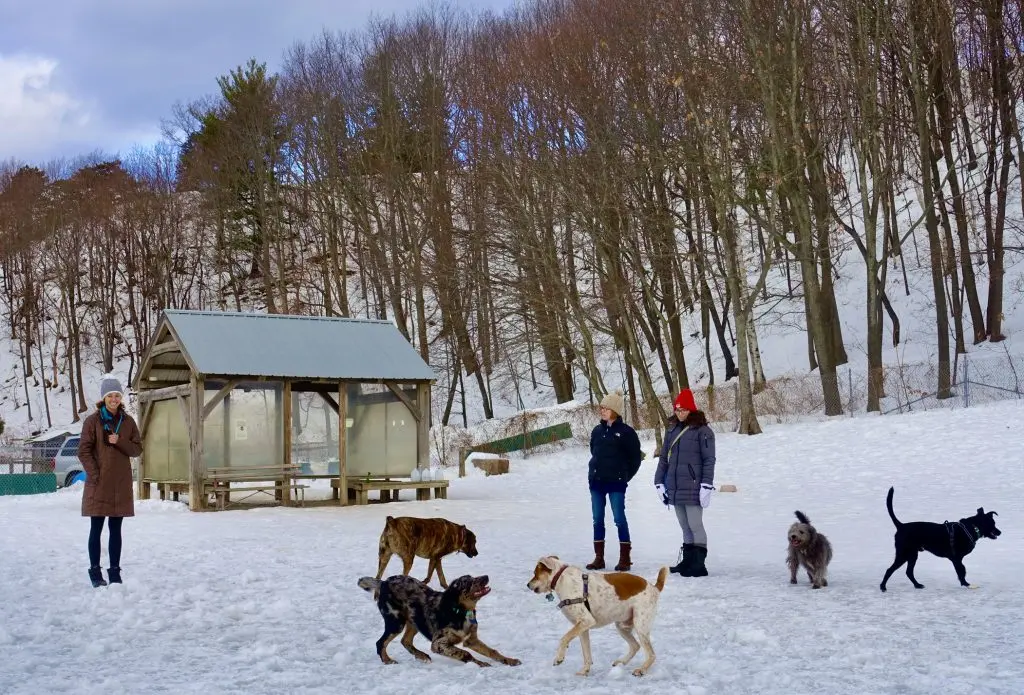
x: 618, y: 500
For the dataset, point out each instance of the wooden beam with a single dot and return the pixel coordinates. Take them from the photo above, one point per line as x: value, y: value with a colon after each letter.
x: 342, y: 443
x: 226, y: 431
x: 423, y: 427
x: 330, y: 401
x: 145, y: 414
x: 162, y: 394
x: 286, y: 439
x: 197, y: 466
x: 186, y: 415
x: 170, y: 346
x: 405, y: 399
x: 218, y: 397
x: 178, y: 374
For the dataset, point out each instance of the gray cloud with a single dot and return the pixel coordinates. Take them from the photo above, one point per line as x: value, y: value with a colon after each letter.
x: 77, y: 76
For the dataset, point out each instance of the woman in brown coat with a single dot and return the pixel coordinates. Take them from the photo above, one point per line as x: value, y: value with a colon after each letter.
x: 110, y: 438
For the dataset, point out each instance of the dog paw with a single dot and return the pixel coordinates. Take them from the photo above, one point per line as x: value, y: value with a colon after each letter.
x: 512, y: 662
x: 815, y: 586
x: 558, y: 661
x: 792, y: 581
x: 973, y: 586
x: 423, y: 657
x: 919, y: 586
x: 638, y: 672
x: 583, y: 672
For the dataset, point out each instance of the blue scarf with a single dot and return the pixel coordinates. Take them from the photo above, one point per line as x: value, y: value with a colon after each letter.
x: 108, y: 420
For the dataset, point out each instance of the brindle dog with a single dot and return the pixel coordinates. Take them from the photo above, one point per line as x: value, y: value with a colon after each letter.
x: 446, y: 618
x: 410, y: 537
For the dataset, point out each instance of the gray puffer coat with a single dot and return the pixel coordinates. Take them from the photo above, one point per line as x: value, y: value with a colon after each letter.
x: 684, y: 464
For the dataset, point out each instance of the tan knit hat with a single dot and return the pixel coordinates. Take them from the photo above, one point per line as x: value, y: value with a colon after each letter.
x: 614, y: 402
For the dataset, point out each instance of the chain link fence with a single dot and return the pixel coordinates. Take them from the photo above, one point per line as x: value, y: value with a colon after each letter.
x: 24, y: 471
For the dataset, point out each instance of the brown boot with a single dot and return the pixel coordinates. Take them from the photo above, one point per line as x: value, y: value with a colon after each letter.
x: 624, y: 561
x: 598, y: 563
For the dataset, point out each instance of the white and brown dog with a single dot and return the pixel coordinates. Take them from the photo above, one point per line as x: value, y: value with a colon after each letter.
x: 595, y: 599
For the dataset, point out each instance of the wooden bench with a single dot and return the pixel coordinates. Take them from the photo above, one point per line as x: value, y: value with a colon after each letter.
x: 278, y: 480
x: 175, y: 487
x: 389, y: 489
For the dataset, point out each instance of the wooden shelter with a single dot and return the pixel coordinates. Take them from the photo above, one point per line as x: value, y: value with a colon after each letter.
x: 216, y: 394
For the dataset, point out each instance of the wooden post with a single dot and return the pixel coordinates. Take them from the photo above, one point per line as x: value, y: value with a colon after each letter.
x: 286, y: 440
x: 145, y: 412
x: 228, y: 432
x: 423, y: 426
x: 342, y: 443
x: 197, y: 466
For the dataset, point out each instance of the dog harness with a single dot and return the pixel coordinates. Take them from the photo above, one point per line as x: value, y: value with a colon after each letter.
x: 951, y: 529
x: 585, y: 599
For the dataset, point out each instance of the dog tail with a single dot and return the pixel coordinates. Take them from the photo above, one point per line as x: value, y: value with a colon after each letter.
x: 382, y: 544
x: 888, y: 505
x: 662, y: 576
x: 802, y: 518
x: 371, y: 585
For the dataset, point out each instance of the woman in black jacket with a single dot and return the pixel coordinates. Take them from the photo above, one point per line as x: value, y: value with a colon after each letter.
x: 614, y: 460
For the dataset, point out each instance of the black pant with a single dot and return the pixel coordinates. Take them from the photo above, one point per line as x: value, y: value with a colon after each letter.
x: 114, y: 547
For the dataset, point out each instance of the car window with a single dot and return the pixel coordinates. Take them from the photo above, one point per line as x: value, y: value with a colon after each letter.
x: 70, y: 446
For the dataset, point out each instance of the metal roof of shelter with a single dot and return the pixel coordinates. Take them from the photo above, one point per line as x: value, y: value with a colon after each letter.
x: 295, y: 347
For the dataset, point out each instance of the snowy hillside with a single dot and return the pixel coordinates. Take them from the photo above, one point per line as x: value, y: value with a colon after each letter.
x: 266, y: 601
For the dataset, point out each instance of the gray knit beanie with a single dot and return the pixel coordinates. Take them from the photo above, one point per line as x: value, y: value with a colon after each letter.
x: 110, y: 384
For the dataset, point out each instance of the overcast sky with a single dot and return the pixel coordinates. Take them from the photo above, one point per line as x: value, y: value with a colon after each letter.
x: 84, y: 75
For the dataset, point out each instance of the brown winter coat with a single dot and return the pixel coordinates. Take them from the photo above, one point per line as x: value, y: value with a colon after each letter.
x: 108, y: 468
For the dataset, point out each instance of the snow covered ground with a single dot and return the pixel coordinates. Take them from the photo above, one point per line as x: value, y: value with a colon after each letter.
x: 265, y: 601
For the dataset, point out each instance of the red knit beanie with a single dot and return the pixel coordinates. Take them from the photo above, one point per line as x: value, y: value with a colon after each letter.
x: 685, y: 400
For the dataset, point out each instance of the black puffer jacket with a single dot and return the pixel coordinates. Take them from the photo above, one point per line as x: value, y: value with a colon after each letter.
x: 614, y: 456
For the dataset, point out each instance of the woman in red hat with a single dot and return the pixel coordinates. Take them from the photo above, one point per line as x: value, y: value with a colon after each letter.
x: 686, y: 477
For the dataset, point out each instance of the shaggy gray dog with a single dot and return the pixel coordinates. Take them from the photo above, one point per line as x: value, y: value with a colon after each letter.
x: 809, y: 548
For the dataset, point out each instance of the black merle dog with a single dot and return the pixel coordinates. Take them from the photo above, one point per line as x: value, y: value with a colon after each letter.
x: 446, y: 618
x: 951, y: 539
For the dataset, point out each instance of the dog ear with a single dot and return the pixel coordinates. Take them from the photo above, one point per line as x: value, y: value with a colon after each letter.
x: 981, y: 511
x: 550, y: 561
x: 993, y: 514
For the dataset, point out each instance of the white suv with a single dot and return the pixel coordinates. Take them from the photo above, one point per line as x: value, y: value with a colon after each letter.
x: 66, y: 464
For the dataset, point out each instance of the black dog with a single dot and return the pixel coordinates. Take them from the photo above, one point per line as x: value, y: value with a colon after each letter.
x: 445, y: 618
x: 951, y: 539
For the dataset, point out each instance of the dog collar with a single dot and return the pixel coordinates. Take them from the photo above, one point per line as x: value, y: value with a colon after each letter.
x: 471, y: 617
x: 554, y: 580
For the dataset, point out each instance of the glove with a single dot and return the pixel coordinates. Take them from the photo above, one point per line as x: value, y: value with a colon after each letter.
x: 662, y: 493
x: 705, y: 494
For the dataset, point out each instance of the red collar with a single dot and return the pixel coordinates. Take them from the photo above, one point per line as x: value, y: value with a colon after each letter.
x: 554, y: 580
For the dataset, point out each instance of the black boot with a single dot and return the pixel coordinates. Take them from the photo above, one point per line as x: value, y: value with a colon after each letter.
x: 686, y: 556
x: 115, y: 575
x: 96, y: 577
x: 697, y: 568
x: 598, y: 563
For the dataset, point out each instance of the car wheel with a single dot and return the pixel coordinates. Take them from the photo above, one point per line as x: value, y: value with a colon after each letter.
x: 70, y: 478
